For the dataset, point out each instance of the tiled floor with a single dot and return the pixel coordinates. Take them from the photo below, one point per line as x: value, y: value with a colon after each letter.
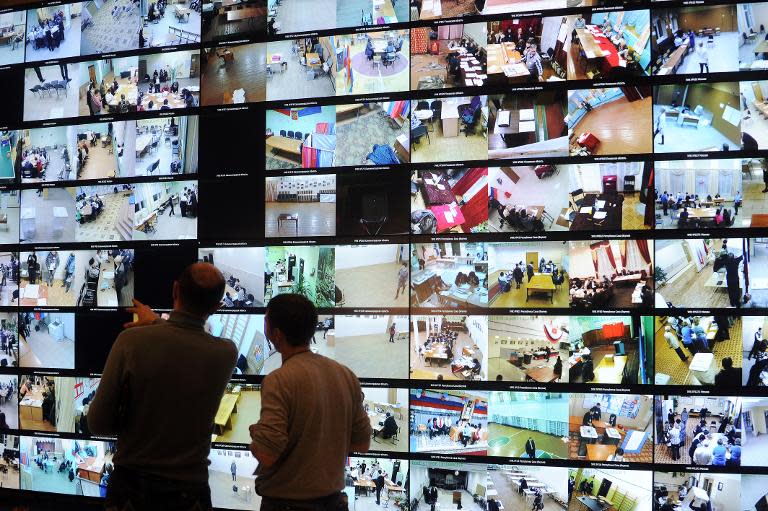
x: 667, y: 361
x: 438, y: 148
x: 158, y: 34
x: 44, y: 220
x: 292, y: 15
x: 222, y: 496
x: 69, y: 47
x: 747, y: 51
x: 681, y: 139
x: 720, y: 55
x: 108, y: 33
x: 293, y: 82
x: 217, y: 27
x: 369, y: 356
x: 248, y: 412
x: 372, y: 285
x: 9, y: 55
x: 246, y: 71
x: 50, y: 105
x: 164, y: 154
x: 621, y: 126
x: 757, y: 127
x: 57, y: 294
x: 510, y: 442
x: 11, y: 235
x: 315, y: 219
x: 663, y: 454
x: 41, y: 350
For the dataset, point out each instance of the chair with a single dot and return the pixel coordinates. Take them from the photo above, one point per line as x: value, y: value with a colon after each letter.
x: 470, y: 119
x: 290, y: 134
x: 298, y: 136
x: 576, y: 199
x: 376, y: 62
x: 374, y: 211
x: 282, y: 133
x: 418, y: 132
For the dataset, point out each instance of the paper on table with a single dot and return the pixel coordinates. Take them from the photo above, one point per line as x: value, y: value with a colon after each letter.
x: 478, y: 82
x: 622, y: 62
x: 448, y: 216
x: 600, y: 204
x: 585, y: 209
x: 600, y: 215
x: 42, y: 302
x: 526, y: 126
x: 440, y: 187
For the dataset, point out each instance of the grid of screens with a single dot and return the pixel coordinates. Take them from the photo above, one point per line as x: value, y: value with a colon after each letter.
x: 536, y: 230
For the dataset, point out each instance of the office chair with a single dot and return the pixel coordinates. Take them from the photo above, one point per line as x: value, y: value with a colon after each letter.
x: 290, y: 134
x: 470, y: 123
x: 422, y: 105
x: 418, y: 132
x: 282, y: 133
x: 298, y: 135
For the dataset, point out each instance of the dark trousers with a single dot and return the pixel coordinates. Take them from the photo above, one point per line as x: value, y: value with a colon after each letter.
x: 675, y: 451
x: 64, y: 72
x: 703, y: 65
x: 378, y: 496
x: 336, y: 502
x: 131, y: 490
x: 680, y: 353
x: 40, y: 77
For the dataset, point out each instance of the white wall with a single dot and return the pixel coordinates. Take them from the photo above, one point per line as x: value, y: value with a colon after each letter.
x: 221, y: 459
x: 729, y: 495
x: 181, y: 61
x: 478, y: 32
x: 549, y: 30
x: 349, y: 326
x: 351, y: 256
x: 48, y: 137
x: 245, y: 263
x: 753, y: 488
x: 505, y: 256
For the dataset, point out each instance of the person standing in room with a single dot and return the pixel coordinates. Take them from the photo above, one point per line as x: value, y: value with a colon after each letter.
x: 703, y: 55
x: 673, y: 343
x: 392, y: 332
x: 183, y: 202
x: 728, y: 375
x: 674, y: 440
x: 51, y: 264
x: 529, y: 270
x: 379, y: 482
x: 32, y: 267
x: 660, y: 128
x: 233, y: 470
x: 164, y: 430
x: 402, y: 279
x: 732, y: 279
x: 312, y: 416
x: 530, y: 447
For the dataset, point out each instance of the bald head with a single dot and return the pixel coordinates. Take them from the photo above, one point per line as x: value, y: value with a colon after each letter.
x: 199, y: 289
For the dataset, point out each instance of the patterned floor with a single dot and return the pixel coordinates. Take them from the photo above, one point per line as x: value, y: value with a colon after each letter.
x: 104, y: 228
x: 109, y: 33
x: 355, y: 138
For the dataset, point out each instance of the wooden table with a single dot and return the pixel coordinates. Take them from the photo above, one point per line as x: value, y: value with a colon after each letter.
x: 280, y: 144
x: 31, y: 405
x: 157, y: 98
x: 181, y: 11
x: 701, y: 213
x: 313, y: 60
x: 541, y: 374
x: 227, y: 407
x: 599, y: 452
x: 142, y: 142
x: 246, y: 13
x: 288, y: 217
x: 541, y: 283
x: 91, y: 469
x: 762, y: 47
x: 38, y: 298
x: 384, y: 10
x: 612, y: 207
x: 759, y: 220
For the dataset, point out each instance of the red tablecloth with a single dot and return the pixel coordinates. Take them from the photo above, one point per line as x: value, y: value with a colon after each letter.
x: 612, y: 58
x: 448, y: 215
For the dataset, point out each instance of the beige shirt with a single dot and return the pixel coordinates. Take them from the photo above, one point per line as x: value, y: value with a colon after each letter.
x: 159, y: 392
x: 311, y: 413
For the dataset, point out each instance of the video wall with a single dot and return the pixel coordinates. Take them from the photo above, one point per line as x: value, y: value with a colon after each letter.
x: 536, y: 230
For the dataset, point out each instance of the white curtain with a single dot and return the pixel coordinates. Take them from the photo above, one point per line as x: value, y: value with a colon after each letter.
x: 634, y: 258
x: 676, y: 181
x: 702, y: 183
x: 725, y: 183
x: 604, y: 266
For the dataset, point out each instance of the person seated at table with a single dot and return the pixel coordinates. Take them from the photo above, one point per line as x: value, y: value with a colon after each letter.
x: 580, y: 22
x: 165, y: 106
x: 123, y: 105
x: 369, y: 49
x: 389, y: 427
x: 189, y: 99
x: 472, y: 279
